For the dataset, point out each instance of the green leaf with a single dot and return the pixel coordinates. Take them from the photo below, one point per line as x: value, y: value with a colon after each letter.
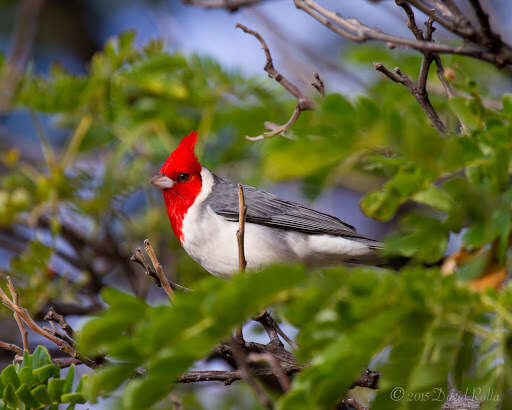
x: 435, y: 197
x: 10, y: 398
x: 73, y: 398
x: 25, y: 375
x: 55, y: 387
x: 42, y: 374
x: 27, y: 359
x: 23, y: 393
x: 424, y: 238
x: 68, y: 384
x: 9, y: 376
x: 380, y: 205
x: 40, y: 357
x: 41, y: 394
x: 506, y: 99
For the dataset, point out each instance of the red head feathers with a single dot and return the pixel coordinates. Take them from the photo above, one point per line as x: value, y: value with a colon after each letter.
x: 182, y: 159
x: 180, y: 182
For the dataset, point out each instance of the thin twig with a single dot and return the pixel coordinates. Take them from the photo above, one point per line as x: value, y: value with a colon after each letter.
x: 418, y: 91
x: 440, y: 75
x: 52, y: 315
x: 304, y: 102
x: 25, y: 316
x: 412, y: 21
x: 23, y: 331
x: 240, y: 233
x: 272, y: 328
x: 397, y: 76
x: 318, y: 84
x: 240, y: 238
x: 459, y: 27
x: 493, y: 39
x: 159, y: 271
x: 64, y: 362
x: 138, y: 257
x: 12, y: 347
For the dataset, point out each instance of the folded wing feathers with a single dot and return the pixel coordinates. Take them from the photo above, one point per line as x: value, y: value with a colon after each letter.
x: 266, y: 209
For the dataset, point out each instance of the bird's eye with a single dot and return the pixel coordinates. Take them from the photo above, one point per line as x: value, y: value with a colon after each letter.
x: 183, y: 177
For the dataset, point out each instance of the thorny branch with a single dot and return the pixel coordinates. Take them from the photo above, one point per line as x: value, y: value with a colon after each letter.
x: 304, y: 102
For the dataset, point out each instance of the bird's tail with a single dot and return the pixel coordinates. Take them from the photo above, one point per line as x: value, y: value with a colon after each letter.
x: 375, y: 255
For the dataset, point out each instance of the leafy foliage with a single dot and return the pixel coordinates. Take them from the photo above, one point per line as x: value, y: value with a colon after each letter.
x: 36, y: 383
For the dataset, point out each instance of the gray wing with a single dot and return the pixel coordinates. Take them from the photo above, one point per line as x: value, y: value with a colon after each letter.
x: 264, y: 208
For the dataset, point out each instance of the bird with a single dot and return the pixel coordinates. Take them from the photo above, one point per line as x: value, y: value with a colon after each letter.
x: 203, y: 210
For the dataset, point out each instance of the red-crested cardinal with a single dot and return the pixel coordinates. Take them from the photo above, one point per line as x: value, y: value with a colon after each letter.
x: 203, y: 210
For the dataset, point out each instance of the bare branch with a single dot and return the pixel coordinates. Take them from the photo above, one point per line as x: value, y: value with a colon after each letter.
x: 64, y: 362
x: 277, y: 129
x: 410, y: 16
x: 424, y: 69
x: 318, y: 84
x: 23, y: 331
x: 440, y: 75
x: 419, y: 91
x: 13, y: 348
x: 460, y: 26
x: 226, y: 376
x: 138, y: 257
x: 369, y: 379
x: 159, y: 271
x: 52, y: 315
x: 304, y: 102
x: 356, y: 31
x: 493, y: 39
x: 273, y: 329
x: 421, y: 95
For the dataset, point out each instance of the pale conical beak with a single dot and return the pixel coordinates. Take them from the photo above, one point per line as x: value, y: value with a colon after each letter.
x: 162, y: 182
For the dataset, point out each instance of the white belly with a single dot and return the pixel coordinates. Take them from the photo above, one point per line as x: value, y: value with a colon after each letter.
x: 212, y: 243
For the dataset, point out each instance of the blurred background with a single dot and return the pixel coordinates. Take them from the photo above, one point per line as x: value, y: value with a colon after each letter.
x: 82, y: 228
